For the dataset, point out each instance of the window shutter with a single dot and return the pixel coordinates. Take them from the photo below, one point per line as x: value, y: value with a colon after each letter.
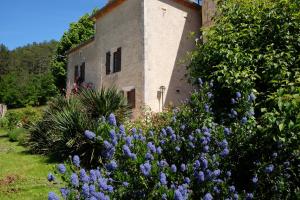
x: 107, y: 64
x: 82, y: 73
x: 115, y: 62
x: 76, y: 74
x: 119, y: 59
x: 131, y: 98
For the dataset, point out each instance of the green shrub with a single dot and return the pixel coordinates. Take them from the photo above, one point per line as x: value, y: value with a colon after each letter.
x: 23, y: 117
x: 60, y: 132
x: 17, y: 135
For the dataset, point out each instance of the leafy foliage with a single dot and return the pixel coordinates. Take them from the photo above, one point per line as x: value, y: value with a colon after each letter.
x: 25, y: 78
x: 60, y: 130
x: 78, y: 32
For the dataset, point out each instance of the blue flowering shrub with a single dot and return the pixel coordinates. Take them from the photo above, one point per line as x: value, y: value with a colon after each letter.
x: 188, y: 159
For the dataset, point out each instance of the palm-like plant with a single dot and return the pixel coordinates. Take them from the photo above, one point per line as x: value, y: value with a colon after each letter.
x: 60, y: 132
x: 104, y: 102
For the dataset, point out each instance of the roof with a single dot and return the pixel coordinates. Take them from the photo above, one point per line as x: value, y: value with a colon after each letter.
x: 80, y: 45
x: 115, y: 3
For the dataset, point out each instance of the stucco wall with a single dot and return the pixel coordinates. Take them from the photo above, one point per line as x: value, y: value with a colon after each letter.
x: 208, y: 11
x: 123, y: 27
x: 88, y: 55
x: 167, y: 29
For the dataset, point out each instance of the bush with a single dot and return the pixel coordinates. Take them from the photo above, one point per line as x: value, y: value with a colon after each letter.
x: 59, y: 133
x: 17, y: 135
x: 186, y: 159
x: 194, y: 156
x: 24, y: 117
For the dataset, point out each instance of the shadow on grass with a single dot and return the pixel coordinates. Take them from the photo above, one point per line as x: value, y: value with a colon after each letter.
x: 48, y: 159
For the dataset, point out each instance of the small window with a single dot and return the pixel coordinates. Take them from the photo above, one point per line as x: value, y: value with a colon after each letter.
x: 131, y: 98
x: 76, y: 74
x: 107, y: 63
x: 82, y: 73
x: 117, y: 60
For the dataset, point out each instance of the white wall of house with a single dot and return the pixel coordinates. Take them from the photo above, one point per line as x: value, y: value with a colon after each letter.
x: 122, y: 27
x: 87, y: 55
x: 167, y: 29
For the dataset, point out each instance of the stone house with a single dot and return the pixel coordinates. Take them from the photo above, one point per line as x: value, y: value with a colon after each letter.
x: 139, y: 47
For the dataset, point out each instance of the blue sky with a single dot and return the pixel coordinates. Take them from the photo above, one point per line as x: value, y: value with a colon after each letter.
x: 27, y: 21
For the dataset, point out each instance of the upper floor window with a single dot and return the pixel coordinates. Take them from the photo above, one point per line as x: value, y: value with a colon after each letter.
x: 116, y: 62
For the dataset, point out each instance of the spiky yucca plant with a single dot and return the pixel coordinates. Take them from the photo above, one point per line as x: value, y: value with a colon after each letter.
x: 60, y: 133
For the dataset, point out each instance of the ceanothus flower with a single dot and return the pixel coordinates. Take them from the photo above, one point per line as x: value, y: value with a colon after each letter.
x: 209, y: 95
x: 112, y: 166
x: 223, y: 144
x: 238, y: 95
x: 232, y: 189
x: 200, y: 81
x: 64, y: 192
x: 163, y: 178
x: 76, y: 161
x: 93, y: 175
x: 216, y: 190
x: 126, y: 150
x: 50, y: 177
x: 197, y: 164
x: 149, y: 156
x: 52, y: 196
x: 122, y: 129
x: 249, y: 196
x: 112, y: 134
x: 110, y: 188
x: 204, y: 163
x: 159, y: 150
x: 102, y: 183
x: 201, y: 176
x: 217, y: 172
x: 233, y: 101
x: 151, y: 147
x: 233, y: 112
x: 86, y: 190
x: 146, y: 168
x: 83, y: 176
x: 224, y: 153
x: 112, y: 119
x: 235, y: 196
x: 269, y: 168
x: 244, y: 120
x: 182, y: 167
x: 187, y: 180
x: 208, y: 196
x: 164, y: 196
x: 177, y: 148
x: 255, y: 179
x: 74, y: 180
x: 251, y: 97
x: 61, y: 168
x: 173, y: 168
x: 227, y: 131
x: 206, y: 148
x: 173, y: 137
x: 206, y: 108
x: 89, y: 135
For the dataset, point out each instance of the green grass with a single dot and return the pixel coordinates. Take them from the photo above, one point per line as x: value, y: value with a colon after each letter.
x: 22, y: 175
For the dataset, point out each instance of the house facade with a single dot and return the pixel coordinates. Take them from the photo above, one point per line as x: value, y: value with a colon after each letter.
x: 139, y: 47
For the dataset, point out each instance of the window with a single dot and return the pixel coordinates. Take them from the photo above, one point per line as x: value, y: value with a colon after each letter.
x: 131, y: 98
x: 117, y: 60
x: 82, y: 73
x: 76, y: 74
x: 107, y: 63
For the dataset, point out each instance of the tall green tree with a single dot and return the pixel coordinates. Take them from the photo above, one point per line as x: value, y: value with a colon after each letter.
x: 78, y: 32
x: 4, y: 59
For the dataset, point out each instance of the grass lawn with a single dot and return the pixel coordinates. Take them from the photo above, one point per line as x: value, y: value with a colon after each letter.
x: 22, y: 176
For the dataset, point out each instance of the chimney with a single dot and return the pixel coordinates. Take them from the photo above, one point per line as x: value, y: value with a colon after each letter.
x: 208, y: 12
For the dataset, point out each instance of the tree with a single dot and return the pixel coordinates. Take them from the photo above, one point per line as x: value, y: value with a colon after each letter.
x: 4, y: 59
x: 78, y: 32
